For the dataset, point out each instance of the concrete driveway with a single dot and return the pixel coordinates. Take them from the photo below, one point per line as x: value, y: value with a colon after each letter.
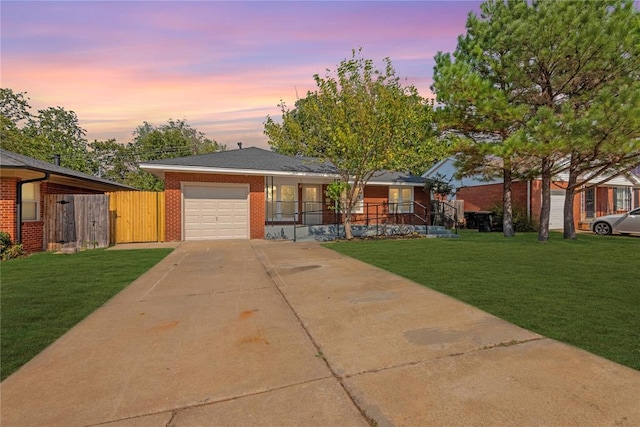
x: 241, y: 333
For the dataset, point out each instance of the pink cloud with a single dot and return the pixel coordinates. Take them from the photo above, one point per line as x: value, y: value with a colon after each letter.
x: 222, y: 65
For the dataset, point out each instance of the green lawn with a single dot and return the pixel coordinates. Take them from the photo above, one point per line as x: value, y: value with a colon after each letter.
x: 46, y: 294
x: 584, y: 292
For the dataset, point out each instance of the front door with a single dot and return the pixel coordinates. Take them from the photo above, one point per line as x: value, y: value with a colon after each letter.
x: 312, y: 204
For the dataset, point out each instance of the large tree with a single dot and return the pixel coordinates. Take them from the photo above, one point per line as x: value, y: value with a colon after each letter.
x: 14, y: 106
x: 603, y: 143
x: 478, y: 108
x: 112, y: 160
x: 176, y: 138
x: 362, y: 120
x: 51, y: 131
x: 55, y: 130
x: 14, y: 115
x: 543, y: 70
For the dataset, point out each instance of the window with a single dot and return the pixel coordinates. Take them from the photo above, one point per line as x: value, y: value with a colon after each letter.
x: 358, y: 207
x: 622, y: 198
x: 401, y: 199
x: 589, y: 203
x: 281, y: 202
x: 31, y: 201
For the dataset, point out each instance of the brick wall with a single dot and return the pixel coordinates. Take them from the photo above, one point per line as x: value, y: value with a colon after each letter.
x: 173, y: 200
x: 480, y: 198
x: 536, y: 199
x: 421, y: 196
x: 376, y: 198
x: 32, y: 236
x: 485, y: 197
x: 8, y: 206
x: 32, y: 231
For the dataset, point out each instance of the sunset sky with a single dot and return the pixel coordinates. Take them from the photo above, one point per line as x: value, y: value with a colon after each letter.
x: 222, y: 66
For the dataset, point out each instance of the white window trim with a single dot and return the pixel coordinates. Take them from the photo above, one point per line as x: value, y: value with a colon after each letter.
x: 400, y: 201
x: 277, y: 215
x: 623, y: 195
x: 358, y: 207
x: 36, y: 192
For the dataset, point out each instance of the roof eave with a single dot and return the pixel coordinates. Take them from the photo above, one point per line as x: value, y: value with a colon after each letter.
x: 161, y: 169
x: 78, y: 181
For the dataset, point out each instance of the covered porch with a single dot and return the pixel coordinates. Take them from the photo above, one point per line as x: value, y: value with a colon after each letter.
x: 298, y: 209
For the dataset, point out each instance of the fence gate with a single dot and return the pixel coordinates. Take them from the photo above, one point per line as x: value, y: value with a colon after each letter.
x: 137, y: 216
x: 76, y: 220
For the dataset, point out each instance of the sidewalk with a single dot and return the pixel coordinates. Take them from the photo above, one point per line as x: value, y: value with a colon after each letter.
x: 278, y: 333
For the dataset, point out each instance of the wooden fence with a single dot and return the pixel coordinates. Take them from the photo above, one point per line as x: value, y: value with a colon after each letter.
x: 76, y: 220
x: 137, y: 216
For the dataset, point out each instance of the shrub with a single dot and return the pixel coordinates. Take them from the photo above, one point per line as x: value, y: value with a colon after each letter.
x: 7, y: 249
x: 14, y: 251
x: 521, y: 222
x: 5, y: 241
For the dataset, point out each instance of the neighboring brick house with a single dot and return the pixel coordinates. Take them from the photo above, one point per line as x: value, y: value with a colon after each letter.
x: 24, y: 181
x: 251, y: 193
x: 604, y: 196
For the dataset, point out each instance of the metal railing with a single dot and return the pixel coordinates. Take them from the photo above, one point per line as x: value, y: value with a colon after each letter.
x: 444, y: 214
x: 378, y: 215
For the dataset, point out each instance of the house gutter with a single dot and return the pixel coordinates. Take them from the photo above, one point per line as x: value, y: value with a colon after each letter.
x: 19, y: 204
x: 225, y: 171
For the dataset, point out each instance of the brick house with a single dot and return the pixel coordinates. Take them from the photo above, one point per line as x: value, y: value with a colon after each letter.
x: 604, y: 196
x: 253, y: 193
x: 24, y: 182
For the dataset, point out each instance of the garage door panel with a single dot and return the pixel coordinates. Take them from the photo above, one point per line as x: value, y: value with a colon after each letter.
x: 209, y: 206
x: 215, y: 212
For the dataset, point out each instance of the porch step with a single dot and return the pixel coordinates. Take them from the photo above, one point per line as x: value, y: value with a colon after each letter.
x: 438, y: 231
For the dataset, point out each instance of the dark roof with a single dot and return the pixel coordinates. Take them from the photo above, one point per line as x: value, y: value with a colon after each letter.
x: 397, y: 177
x: 258, y: 159
x: 11, y: 160
x: 251, y: 158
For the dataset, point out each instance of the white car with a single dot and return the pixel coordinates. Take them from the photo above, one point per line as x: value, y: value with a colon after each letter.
x: 626, y: 223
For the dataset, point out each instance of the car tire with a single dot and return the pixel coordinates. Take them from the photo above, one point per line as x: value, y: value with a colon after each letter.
x: 602, y: 228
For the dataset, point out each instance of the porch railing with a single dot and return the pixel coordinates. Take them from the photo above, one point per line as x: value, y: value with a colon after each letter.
x: 377, y: 216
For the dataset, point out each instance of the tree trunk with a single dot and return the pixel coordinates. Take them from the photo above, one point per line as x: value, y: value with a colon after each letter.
x: 348, y: 234
x: 569, y: 229
x: 507, y: 205
x: 545, y: 209
x: 569, y: 226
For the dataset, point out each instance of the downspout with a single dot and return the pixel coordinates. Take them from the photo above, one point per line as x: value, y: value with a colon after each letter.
x: 19, y: 185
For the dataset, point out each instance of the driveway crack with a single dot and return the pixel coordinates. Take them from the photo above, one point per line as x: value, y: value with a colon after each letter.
x: 464, y: 353
x: 278, y: 281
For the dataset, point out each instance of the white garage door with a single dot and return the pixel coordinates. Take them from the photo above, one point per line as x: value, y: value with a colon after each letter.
x: 556, y: 215
x: 216, y: 212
